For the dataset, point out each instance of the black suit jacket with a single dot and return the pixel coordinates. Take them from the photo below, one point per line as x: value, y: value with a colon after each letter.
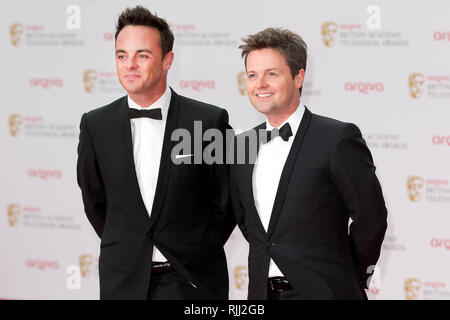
x: 328, y: 177
x: 190, y: 220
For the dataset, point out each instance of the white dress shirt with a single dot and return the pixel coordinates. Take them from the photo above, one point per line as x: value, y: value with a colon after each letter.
x: 147, y: 136
x: 267, y: 172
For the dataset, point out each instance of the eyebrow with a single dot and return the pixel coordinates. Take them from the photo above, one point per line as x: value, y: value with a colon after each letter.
x: 137, y: 51
x: 270, y: 69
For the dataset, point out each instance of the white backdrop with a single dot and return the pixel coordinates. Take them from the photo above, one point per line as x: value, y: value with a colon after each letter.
x: 393, y: 82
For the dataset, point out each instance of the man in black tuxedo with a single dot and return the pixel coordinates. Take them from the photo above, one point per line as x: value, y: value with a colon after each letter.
x: 308, y: 177
x: 162, y: 223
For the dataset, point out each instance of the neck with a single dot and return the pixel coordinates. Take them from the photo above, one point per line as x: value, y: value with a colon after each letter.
x: 146, y: 99
x: 277, y: 119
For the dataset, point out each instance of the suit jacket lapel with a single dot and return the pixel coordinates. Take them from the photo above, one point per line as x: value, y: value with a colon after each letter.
x: 166, y: 161
x: 287, y: 171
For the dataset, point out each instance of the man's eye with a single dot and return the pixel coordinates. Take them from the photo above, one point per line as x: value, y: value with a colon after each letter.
x: 271, y: 74
x: 142, y: 56
x: 120, y: 57
x: 251, y: 76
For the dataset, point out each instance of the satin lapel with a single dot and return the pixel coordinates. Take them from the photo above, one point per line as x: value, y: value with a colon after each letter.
x: 287, y: 171
x: 246, y: 175
x: 125, y: 141
x: 166, y: 162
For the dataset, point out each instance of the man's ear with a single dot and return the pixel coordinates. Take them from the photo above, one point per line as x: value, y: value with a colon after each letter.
x: 299, y: 78
x: 167, y: 61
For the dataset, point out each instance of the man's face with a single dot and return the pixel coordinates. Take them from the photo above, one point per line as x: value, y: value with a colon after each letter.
x: 270, y: 86
x: 139, y: 62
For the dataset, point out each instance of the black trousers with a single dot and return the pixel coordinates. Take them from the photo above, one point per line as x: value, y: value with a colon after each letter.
x: 171, y: 286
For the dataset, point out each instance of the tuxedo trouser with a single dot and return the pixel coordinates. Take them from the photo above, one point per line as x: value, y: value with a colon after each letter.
x: 171, y: 286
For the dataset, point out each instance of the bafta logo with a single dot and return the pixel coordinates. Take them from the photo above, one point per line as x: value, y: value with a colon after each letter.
x: 329, y: 30
x: 415, y: 83
x: 89, y: 77
x: 241, y: 277
x: 13, y: 214
x: 16, y: 32
x: 242, y: 82
x: 412, y: 288
x: 86, y: 265
x: 15, y: 121
x: 415, y: 185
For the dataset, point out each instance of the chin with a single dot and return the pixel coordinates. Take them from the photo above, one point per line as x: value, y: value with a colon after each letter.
x: 264, y: 109
x: 132, y: 89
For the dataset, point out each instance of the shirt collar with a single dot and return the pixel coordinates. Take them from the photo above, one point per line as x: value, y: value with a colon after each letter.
x: 293, y: 120
x: 163, y: 102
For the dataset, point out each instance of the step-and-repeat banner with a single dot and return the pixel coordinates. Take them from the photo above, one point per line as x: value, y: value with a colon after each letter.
x: 383, y: 65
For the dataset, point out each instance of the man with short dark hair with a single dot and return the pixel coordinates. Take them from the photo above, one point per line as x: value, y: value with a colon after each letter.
x: 293, y: 200
x: 162, y: 225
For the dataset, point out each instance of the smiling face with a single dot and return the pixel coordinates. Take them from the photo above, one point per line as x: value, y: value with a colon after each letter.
x: 270, y: 86
x: 140, y: 66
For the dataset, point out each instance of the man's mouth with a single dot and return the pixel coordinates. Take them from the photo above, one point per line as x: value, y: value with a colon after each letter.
x: 131, y: 76
x: 264, y: 95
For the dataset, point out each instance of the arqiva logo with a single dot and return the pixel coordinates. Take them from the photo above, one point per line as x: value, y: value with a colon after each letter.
x: 46, y: 83
x: 44, y: 174
x: 364, y: 87
x: 42, y: 265
x: 438, y: 140
x: 197, y: 85
x: 108, y: 36
x: 440, y: 243
x: 441, y: 35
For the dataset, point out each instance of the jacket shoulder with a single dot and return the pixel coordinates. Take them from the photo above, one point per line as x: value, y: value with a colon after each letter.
x: 102, y: 115
x: 199, y: 107
x: 332, y: 127
x: 111, y: 107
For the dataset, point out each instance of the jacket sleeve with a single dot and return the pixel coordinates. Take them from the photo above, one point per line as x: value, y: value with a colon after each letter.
x: 90, y: 180
x: 220, y: 188
x: 353, y: 172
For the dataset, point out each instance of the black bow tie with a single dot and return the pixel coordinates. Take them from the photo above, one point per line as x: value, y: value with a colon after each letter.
x: 151, y: 113
x: 284, y: 132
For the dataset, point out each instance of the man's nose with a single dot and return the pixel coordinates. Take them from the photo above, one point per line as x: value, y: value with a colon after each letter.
x: 262, y: 83
x: 131, y: 63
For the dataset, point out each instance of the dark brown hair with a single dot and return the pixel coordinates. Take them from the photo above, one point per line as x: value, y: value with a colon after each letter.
x: 140, y: 16
x: 288, y: 43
